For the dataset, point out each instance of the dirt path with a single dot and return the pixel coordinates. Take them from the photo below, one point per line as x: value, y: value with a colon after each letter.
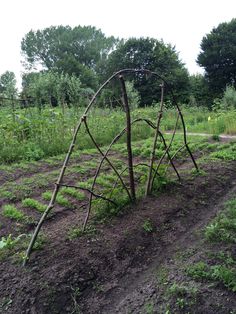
x: 221, y: 136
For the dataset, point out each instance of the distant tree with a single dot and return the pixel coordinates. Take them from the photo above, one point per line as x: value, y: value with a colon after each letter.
x: 218, y: 57
x: 151, y: 54
x: 52, y: 88
x: 8, y: 84
x: 199, y: 91
x: 78, y: 51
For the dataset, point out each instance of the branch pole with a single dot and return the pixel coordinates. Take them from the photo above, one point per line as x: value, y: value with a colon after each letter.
x: 116, y: 138
x: 89, y: 191
x: 128, y: 137
x: 131, y: 194
x: 54, y: 194
x: 167, y: 150
x: 149, y: 180
x: 161, y: 159
x: 97, y: 172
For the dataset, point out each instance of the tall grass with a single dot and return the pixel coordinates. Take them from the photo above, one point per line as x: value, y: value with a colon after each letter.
x: 30, y: 134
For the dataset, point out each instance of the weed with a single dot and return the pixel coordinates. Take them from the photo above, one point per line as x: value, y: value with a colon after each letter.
x: 197, y: 172
x: 215, y: 137
x: 180, y: 290
x: 5, y: 303
x: 220, y: 273
x: 181, y: 303
x: 223, y: 227
x: 149, y: 308
x: 104, y: 209
x: 198, y: 270
x: 77, y: 232
x: 8, y: 242
x: 162, y: 276
x: 225, y: 275
x: 148, y: 226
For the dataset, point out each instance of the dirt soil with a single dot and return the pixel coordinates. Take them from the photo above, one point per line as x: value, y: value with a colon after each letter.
x: 119, y: 269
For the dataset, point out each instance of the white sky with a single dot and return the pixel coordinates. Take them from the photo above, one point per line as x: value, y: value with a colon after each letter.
x: 182, y: 23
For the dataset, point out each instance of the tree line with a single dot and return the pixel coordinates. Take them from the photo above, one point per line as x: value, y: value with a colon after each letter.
x: 75, y: 61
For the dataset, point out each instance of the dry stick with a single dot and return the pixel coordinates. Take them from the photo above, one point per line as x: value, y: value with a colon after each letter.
x: 185, y: 136
x: 61, y: 175
x: 90, y: 191
x: 151, y: 124
x: 169, y: 157
x: 167, y: 149
x: 97, y: 172
x: 54, y: 195
x: 116, y: 138
x: 149, y: 181
x: 128, y: 138
x: 173, y: 98
x: 175, y: 153
x: 52, y: 201
x: 136, y: 165
x: 178, y: 150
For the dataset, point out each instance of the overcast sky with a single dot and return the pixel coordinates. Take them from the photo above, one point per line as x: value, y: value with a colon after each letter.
x: 182, y: 23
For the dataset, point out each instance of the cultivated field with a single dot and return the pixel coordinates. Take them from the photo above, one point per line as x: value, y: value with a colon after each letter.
x: 171, y: 252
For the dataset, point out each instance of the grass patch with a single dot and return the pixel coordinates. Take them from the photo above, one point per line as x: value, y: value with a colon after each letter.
x: 77, y: 232
x: 148, y: 226
x: 34, y: 204
x: 10, y: 211
x: 220, y: 267
x: 223, y: 227
x: 73, y: 193
x: 15, y: 247
x: 219, y: 273
x: 61, y: 200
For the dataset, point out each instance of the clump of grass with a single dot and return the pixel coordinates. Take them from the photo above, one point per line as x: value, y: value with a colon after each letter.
x: 181, y: 290
x: 77, y: 232
x: 148, y: 226
x: 223, y: 227
x: 15, y: 246
x: 61, y: 200
x: 198, y: 270
x: 32, y: 203
x: 104, y: 209
x: 223, y: 267
x: 73, y: 192
x: 216, y: 137
x: 8, y: 242
x: 10, y: 211
x: 220, y: 273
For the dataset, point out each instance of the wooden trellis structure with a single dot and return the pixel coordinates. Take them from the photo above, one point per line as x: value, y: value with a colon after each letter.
x: 152, y: 167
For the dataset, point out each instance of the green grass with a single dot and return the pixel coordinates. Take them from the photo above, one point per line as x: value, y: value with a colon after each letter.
x: 14, y: 247
x: 32, y: 135
x: 76, y: 232
x: 73, y: 193
x: 219, y: 273
x: 61, y: 200
x: 34, y: 204
x: 10, y: 211
x: 223, y: 227
x: 148, y: 226
x: 219, y: 267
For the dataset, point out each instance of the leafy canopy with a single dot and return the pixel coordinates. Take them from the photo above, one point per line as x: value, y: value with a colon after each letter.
x: 218, y: 57
x: 8, y: 84
x: 154, y: 55
x: 79, y: 50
